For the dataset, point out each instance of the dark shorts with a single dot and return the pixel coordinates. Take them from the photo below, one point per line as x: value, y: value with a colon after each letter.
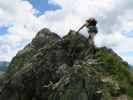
x: 92, y: 29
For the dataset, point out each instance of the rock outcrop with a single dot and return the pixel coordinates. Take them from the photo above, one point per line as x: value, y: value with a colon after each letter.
x: 55, y: 68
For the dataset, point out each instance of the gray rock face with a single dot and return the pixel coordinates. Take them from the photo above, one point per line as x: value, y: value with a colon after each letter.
x: 63, y: 69
x: 45, y: 36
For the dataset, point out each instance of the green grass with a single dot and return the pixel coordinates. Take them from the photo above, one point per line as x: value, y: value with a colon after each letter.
x: 19, y: 60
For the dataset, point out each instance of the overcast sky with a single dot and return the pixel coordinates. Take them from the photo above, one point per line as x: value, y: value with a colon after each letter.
x: 21, y: 19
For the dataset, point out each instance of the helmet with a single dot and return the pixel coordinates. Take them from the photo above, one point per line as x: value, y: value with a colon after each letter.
x: 92, y: 21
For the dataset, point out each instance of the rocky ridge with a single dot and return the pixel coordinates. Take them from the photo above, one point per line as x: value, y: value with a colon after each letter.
x: 55, y: 68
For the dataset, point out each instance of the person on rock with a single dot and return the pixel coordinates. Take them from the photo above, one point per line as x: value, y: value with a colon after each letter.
x: 90, y: 24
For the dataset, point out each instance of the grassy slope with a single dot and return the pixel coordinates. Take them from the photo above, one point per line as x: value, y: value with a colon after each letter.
x: 18, y: 62
x: 116, y: 68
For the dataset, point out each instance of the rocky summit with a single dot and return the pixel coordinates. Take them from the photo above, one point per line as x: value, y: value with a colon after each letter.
x: 68, y: 68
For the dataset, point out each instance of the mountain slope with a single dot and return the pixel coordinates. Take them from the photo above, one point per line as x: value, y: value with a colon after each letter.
x: 54, y: 68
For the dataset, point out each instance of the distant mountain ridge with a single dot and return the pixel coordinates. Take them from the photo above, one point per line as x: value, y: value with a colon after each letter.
x: 3, y: 66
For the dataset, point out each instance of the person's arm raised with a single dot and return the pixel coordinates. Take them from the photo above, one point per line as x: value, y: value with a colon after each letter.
x: 81, y: 28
